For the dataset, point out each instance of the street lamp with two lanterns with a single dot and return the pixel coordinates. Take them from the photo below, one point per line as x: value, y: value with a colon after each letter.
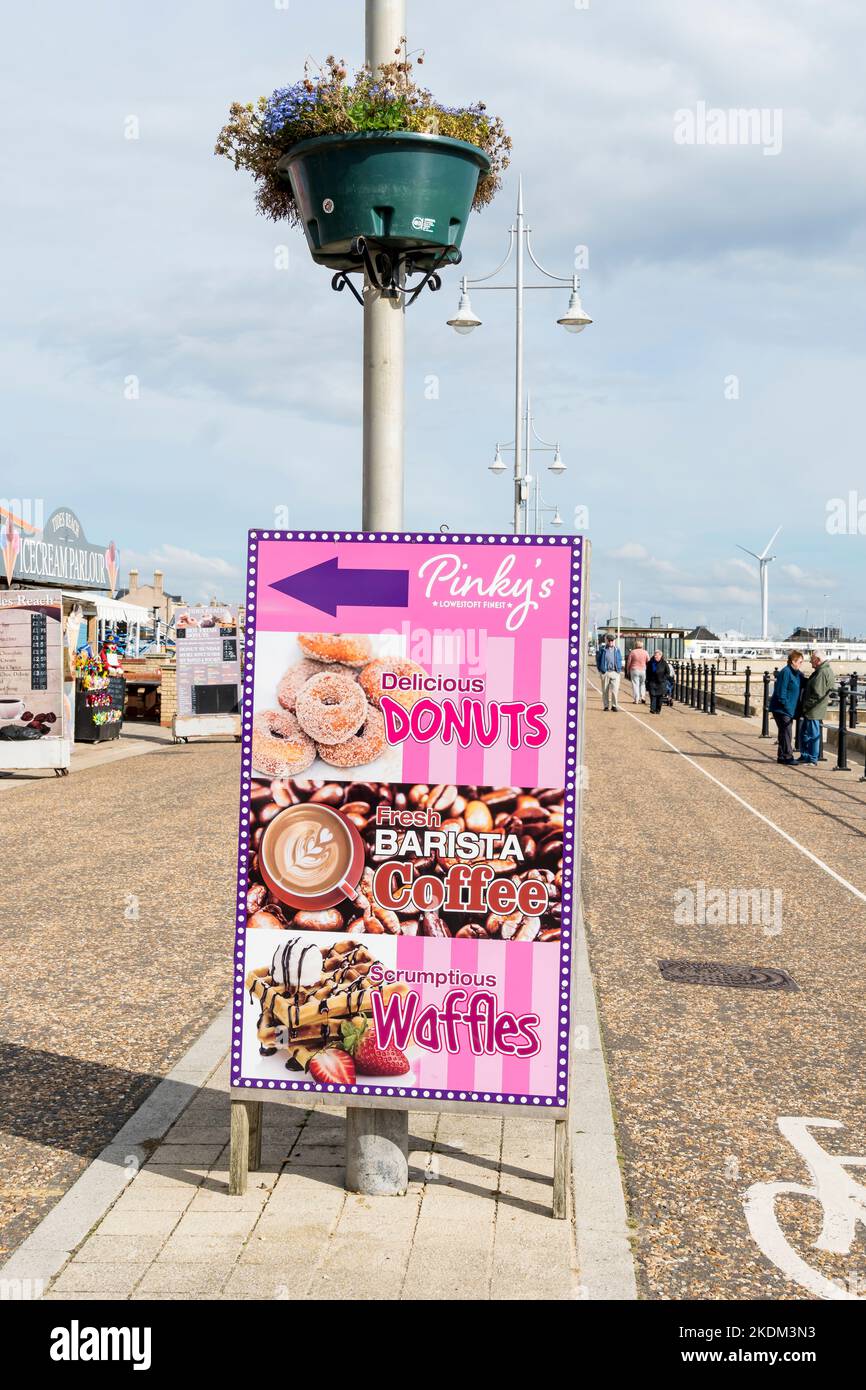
x: 574, y: 320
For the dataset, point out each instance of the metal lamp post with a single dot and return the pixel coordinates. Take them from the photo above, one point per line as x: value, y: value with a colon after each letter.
x: 530, y: 484
x: 465, y: 321
x: 384, y: 333
x: 377, y: 1140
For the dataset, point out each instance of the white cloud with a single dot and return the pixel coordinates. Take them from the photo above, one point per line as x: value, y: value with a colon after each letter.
x: 195, y: 577
x: 633, y: 550
x: 630, y: 551
x: 803, y: 579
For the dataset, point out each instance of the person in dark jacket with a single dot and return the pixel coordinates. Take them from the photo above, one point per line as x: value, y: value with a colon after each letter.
x: 658, y: 673
x: 786, y: 703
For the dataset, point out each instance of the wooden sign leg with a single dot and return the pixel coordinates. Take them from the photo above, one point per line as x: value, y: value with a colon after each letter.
x: 245, y: 1148
x: 561, y: 1167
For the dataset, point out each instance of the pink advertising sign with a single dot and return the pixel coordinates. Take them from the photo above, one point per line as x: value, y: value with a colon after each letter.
x: 408, y: 841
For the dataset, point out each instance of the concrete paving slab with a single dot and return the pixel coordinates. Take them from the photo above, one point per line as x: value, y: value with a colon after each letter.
x: 116, y: 1280
x: 126, y: 1222
x: 189, y: 1279
x: 138, y: 1250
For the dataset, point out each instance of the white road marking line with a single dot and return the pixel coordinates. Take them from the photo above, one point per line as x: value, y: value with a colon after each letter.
x: 760, y: 816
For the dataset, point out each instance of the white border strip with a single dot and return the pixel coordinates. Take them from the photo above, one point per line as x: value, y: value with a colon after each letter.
x: 46, y: 1250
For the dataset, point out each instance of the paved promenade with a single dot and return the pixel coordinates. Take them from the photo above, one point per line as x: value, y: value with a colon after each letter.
x: 681, y: 809
x: 116, y: 906
x: 135, y: 740
x: 700, y: 1075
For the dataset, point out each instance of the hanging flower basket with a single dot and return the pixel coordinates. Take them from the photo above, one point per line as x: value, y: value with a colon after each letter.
x: 408, y: 192
x: 372, y: 156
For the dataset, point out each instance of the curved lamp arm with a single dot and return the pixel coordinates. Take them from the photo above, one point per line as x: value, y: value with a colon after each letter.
x: 551, y: 448
x: 561, y: 279
x: 481, y: 278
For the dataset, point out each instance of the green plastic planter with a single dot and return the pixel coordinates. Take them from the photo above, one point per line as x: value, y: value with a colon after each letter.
x: 408, y: 192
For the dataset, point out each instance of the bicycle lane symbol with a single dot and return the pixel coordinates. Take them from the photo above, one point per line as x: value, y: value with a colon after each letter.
x: 842, y: 1198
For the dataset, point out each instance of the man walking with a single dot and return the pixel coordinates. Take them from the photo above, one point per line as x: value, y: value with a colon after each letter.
x: 635, y: 669
x: 816, y: 703
x: 609, y: 662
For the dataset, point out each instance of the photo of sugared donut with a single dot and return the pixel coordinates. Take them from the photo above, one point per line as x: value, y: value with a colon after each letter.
x: 368, y: 743
x: 331, y: 707
x: 280, y: 746
x: 298, y: 675
x: 370, y: 680
x: 347, y: 647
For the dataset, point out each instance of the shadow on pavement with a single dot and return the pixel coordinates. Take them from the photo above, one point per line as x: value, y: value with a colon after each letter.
x: 65, y: 1103
x: 803, y: 789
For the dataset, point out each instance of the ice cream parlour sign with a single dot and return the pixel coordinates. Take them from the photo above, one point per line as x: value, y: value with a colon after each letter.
x: 58, y: 554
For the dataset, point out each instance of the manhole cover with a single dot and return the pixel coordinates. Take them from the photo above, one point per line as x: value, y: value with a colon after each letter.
x: 714, y: 972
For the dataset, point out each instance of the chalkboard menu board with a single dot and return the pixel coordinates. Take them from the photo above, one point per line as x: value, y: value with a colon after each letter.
x: 215, y: 699
x: 208, y: 660
x: 117, y: 690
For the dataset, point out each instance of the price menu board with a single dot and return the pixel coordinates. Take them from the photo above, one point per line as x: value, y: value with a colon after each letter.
x: 39, y: 651
x: 31, y: 665
x: 208, y: 660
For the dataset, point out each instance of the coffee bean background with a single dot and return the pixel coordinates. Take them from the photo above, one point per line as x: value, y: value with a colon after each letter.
x: 534, y: 815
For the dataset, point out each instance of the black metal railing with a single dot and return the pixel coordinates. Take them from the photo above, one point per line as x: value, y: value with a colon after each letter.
x: 694, y: 684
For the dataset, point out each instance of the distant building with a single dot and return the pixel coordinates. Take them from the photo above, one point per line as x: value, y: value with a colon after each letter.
x: 701, y: 634
x: 152, y: 596
x: 822, y: 635
x: 669, y: 640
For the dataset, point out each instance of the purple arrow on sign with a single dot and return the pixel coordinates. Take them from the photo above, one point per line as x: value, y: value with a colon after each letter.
x: 327, y: 587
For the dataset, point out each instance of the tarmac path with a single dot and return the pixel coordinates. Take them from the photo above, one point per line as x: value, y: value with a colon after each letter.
x: 700, y: 1075
x: 116, y: 908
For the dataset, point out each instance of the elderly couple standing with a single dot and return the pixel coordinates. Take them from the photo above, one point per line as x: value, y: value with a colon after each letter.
x: 648, y: 675
x: 796, y: 697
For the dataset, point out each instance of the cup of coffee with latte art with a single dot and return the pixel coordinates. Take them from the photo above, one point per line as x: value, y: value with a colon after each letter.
x: 311, y: 857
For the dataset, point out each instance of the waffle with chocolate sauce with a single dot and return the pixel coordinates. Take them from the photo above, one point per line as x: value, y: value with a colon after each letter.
x: 302, y: 1014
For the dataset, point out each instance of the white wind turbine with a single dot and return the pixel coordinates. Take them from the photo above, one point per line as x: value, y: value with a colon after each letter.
x: 764, y: 559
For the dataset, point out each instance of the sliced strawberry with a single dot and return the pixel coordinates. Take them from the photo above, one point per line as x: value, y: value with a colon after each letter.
x: 333, y: 1067
x: 359, y: 1038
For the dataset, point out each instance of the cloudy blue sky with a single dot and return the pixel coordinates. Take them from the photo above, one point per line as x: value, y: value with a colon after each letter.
x: 145, y: 258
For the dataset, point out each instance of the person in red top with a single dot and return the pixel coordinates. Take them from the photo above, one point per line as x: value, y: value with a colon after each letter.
x: 635, y: 669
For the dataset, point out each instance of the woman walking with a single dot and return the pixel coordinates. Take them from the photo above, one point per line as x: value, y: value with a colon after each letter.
x: 785, y: 704
x: 658, y: 673
x: 635, y: 669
